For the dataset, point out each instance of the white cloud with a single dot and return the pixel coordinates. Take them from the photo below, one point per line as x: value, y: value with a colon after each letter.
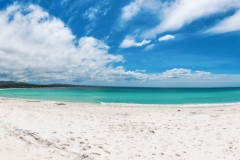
x: 149, y: 47
x: 91, y: 13
x: 95, y: 12
x: 174, y: 15
x: 94, y: 15
x: 130, y: 42
x: 166, y: 38
x: 131, y: 10
x: 140, y: 70
x: 185, y: 73
x: 229, y: 24
x: 37, y: 47
x: 136, y: 6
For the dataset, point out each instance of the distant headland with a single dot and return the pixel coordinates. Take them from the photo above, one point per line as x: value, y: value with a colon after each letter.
x: 12, y: 84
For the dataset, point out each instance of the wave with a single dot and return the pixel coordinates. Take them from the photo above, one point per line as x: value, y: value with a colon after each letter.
x: 172, y: 105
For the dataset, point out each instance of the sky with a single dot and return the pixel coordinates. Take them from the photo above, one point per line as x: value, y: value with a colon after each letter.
x: 149, y: 43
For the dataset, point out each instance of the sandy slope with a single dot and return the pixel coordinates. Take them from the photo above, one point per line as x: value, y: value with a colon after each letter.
x: 49, y: 130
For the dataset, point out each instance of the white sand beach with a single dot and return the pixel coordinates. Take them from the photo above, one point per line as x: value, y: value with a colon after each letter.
x: 38, y: 130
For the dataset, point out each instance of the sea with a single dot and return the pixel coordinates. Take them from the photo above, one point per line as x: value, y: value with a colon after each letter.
x: 129, y: 95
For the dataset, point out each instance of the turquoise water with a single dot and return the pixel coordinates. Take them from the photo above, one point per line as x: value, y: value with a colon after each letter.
x: 128, y: 95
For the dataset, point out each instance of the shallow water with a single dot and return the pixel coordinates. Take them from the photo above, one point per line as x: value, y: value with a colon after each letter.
x: 129, y: 95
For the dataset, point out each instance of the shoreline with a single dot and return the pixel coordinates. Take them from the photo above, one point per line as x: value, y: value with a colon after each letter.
x: 180, y: 100
x: 63, y: 131
x: 198, y: 105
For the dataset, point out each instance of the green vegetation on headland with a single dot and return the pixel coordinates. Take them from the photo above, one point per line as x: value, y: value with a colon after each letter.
x: 12, y: 84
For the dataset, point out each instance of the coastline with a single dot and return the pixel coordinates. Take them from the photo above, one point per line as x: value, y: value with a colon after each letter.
x: 172, y: 97
x: 197, y: 105
x: 56, y: 130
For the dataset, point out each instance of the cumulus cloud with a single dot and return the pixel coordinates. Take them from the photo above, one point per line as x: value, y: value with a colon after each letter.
x: 130, y: 42
x: 140, y: 70
x: 166, y: 38
x: 173, y: 15
x: 35, y: 46
x: 185, y: 73
x: 229, y: 24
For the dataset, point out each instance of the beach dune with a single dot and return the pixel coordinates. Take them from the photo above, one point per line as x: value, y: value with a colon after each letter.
x: 52, y: 130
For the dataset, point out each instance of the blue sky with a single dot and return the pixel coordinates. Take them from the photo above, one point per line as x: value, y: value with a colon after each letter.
x: 127, y: 43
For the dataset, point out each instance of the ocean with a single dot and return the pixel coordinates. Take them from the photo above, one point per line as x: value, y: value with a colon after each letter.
x: 128, y: 95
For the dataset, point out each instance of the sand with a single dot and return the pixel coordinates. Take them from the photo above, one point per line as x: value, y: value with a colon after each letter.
x: 49, y: 130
